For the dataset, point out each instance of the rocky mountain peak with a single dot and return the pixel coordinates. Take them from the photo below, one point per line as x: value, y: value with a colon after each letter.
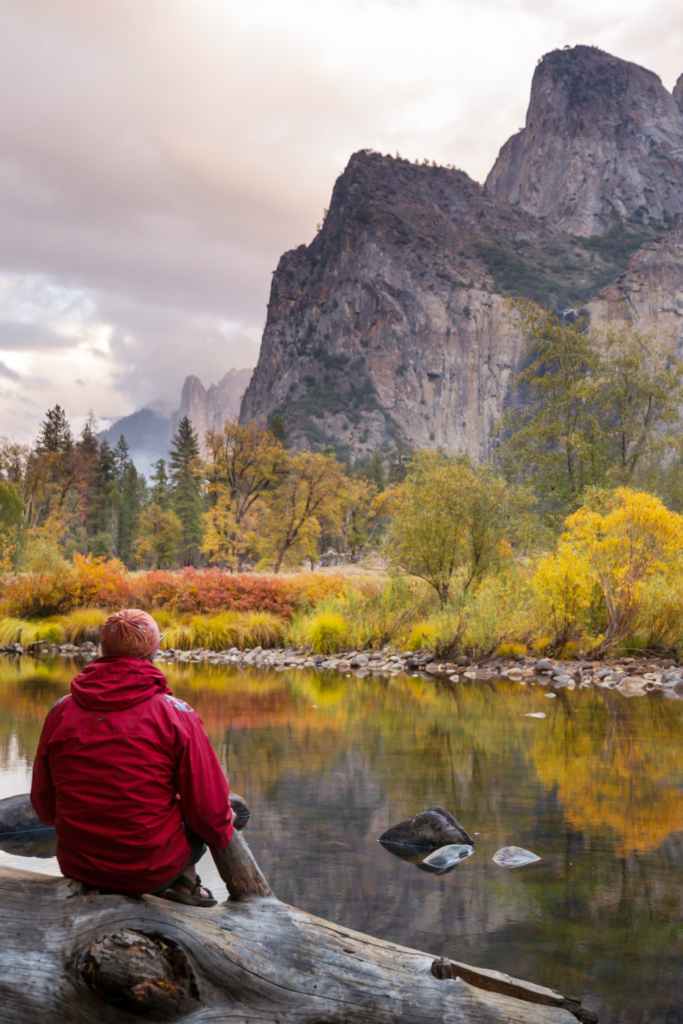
x: 678, y: 92
x: 209, y: 408
x: 603, y: 144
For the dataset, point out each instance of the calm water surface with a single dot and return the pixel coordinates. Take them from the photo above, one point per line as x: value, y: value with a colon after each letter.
x: 327, y: 763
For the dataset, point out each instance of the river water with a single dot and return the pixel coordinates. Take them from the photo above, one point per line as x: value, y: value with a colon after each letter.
x: 327, y: 762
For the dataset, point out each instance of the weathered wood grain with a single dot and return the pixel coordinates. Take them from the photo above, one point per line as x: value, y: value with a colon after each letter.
x: 238, y: 869
x: 253, y: 960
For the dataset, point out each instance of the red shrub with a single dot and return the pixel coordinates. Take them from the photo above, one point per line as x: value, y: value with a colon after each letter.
x: 102, y: 583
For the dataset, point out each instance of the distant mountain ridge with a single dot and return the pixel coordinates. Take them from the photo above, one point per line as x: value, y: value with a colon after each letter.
x: 146, y: 433
x: 149, y: 433
x: 209, y: 408
x: 392, y: 321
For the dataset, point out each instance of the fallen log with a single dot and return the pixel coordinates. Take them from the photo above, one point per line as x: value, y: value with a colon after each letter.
x: 71, y: 955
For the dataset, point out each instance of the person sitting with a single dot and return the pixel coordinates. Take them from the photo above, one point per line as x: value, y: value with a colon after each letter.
x: 127, y: 775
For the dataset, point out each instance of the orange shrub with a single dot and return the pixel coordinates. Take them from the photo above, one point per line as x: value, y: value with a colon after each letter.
x: 105, y: 583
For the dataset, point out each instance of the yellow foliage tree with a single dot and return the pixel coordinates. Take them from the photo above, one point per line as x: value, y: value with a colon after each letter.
x: 229, y: 540
x: 160, y: 531
x: 622, y: 538
x: 562, y: 588
x: 309, y: 496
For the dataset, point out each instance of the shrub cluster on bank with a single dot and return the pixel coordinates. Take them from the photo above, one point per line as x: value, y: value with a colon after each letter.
x: 614, y: 582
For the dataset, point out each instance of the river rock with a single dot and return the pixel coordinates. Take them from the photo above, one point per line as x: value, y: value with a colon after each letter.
x: 447, y: 857
x: 514, y: 857
x: 430, y: 829
x: 633, y: 686
x: 544, y: 666
x: 360, y: 661
x: 17, y: 815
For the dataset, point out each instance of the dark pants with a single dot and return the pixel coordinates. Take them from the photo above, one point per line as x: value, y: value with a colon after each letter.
x: 197, y: 850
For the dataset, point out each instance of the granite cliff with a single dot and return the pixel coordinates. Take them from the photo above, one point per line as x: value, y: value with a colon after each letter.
x: 392, y: 321
x: 209, y: 408
x: 603, y: 143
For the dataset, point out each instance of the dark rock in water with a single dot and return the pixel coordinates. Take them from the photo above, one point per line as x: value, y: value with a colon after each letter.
x: 22, y: 833
x: 17, y: 815
x: 428, y: 830
x: 433, y: 862
x: 40, y: 842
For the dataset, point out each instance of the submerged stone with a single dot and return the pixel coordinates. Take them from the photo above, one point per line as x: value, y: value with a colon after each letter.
x: 633, y: 686
x: 429, y: 829
x: 448, y: 857
x: 514, y: 857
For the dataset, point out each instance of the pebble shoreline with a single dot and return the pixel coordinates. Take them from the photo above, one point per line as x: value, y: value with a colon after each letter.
x: 630, y: 675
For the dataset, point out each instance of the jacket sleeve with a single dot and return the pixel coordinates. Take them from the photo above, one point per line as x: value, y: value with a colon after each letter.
x: 43, y: 793
x: 203, y: 788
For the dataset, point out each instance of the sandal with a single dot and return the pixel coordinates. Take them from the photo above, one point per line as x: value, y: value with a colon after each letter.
x: 194, y: 897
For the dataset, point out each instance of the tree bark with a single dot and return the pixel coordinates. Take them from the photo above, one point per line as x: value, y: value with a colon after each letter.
x: 70, y: 955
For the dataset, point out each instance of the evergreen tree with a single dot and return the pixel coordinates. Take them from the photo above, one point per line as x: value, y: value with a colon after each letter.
x: 160, y: 493
x: 278, y: 429
x: 133, y: 495
x: 55, y: 433
x: 186, y: 490
x: 121, y: 457
x: 103, y: 513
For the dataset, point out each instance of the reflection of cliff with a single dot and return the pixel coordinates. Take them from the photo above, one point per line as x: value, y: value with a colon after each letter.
x: 327, y: 765
x: 610, y: 763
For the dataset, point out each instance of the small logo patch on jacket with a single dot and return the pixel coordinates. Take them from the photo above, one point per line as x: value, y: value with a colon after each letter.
x: 58, y: 702
x: 181, y: 705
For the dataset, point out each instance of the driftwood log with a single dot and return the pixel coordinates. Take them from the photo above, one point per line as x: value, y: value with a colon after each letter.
x: 71, y: 955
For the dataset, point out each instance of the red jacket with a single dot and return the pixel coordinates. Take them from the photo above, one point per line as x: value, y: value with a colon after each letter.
x: 120, y: 763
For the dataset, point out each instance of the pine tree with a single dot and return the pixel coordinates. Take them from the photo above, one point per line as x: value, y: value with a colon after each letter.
x: 186, y: 490
x: 133, y: 495
x: 103, y: 513
x: 121, y: 457
x: 55, y: 433
x: 160, y: 493
x: 278, y: 429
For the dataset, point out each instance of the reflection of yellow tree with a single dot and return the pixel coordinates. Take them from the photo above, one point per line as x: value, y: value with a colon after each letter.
x: 613, y: 763
x: 620, y: 769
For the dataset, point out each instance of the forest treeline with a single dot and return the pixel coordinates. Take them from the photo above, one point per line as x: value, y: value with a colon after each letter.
x: 580, y: 501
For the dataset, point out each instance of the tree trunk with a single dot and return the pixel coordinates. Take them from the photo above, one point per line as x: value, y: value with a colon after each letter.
x: 69, y: 955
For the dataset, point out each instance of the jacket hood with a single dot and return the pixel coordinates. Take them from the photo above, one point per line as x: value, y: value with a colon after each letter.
x: 113, y: 683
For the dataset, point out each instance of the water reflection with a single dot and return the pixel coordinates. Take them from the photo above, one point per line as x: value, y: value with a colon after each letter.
x: 327, y: 764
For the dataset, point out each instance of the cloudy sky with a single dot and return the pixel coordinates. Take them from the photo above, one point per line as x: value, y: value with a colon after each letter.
x: 157, y: 157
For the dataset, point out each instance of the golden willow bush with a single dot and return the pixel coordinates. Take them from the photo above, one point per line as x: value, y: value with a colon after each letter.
x: 625, y: 548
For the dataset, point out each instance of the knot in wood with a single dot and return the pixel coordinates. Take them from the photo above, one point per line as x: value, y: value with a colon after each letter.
x: 146, y: 975
x: 442, y: 968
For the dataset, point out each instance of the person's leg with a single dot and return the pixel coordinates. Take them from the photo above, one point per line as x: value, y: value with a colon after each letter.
x: 190, y: 875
